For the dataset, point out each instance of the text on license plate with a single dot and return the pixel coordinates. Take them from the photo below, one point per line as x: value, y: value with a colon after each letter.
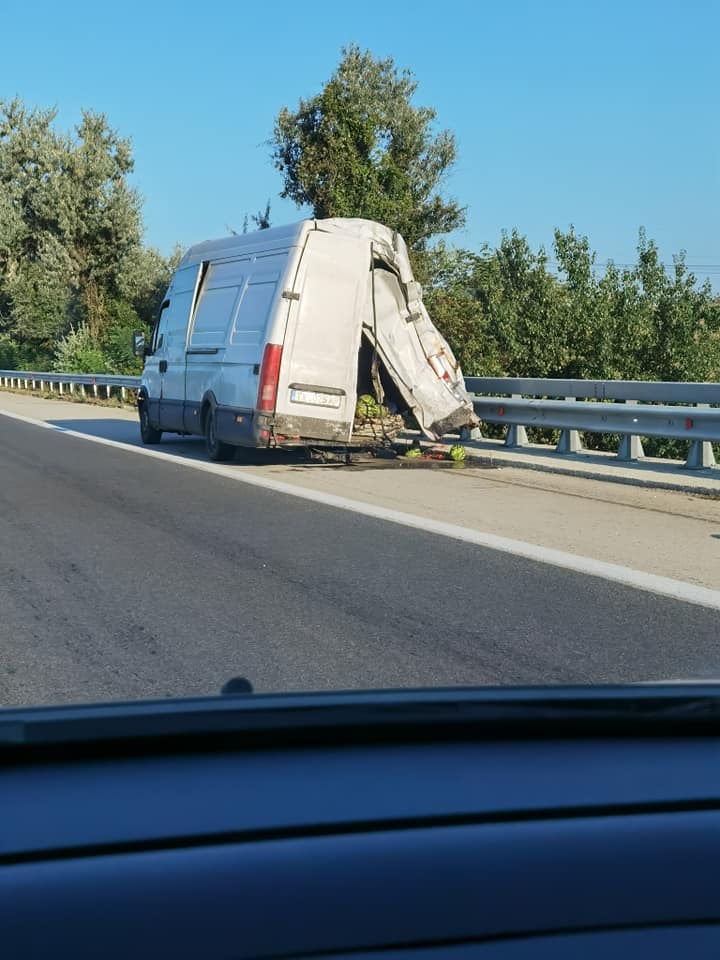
x: 316, y: 398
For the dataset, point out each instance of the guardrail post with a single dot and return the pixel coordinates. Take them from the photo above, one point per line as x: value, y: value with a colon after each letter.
x: 700, y: 455
x: 516, y: 435
x: 83, y: 391
x: 630, y: 447
x: 95, y: 390
x: 123, y: 394
x: 570, y: 441
x: 60, y: 389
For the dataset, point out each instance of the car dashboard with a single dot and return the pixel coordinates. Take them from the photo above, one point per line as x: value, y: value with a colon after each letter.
x: 467, y: 823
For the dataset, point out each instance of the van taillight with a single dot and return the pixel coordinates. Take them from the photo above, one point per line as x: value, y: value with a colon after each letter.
x: 269, y: 374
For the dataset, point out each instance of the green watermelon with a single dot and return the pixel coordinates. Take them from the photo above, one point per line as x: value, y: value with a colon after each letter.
x: 456, y: 452
x: 413, y: 452
x: 366, y: 407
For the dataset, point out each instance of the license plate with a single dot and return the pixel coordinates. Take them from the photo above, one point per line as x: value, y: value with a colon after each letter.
x: 315, y: 398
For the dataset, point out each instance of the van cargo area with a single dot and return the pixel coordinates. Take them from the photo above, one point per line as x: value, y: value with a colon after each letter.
x: 312, y: 334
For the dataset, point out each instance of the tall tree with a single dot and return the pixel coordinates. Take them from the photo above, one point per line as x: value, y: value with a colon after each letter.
x: 361, y: 148
x: 69, y: 221
x: 35, y: 270
x: 103, y: 215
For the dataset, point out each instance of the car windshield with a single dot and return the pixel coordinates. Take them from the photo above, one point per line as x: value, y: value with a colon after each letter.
x: 346, y: 348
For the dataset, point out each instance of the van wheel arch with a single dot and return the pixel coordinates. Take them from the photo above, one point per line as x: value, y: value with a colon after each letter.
x: 208, y: 403
x: 217, y: 450
x: 148, y: 432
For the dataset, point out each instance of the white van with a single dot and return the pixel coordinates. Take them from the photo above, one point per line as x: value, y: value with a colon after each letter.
x: 266, y: 339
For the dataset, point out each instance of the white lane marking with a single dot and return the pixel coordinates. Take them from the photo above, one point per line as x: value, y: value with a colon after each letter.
x: 648, y: 582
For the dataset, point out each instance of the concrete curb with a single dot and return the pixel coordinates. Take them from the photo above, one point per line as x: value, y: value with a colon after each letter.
x: 650, y: 473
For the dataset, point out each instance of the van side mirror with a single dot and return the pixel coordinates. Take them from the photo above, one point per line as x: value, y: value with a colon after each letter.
x: 138, y: 347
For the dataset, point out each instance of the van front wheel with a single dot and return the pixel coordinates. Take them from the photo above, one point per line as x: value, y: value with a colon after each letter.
x: 216, y: 449
x: 148, y: 432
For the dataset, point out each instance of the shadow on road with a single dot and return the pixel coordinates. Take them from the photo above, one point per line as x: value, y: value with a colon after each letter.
x: 122, y: 430
x: 193, y: 448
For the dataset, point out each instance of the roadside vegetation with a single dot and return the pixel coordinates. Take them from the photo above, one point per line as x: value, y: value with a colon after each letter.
x: 76, y: 278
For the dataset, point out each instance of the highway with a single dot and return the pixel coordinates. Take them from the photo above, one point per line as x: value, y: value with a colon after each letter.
x: 124, y: 576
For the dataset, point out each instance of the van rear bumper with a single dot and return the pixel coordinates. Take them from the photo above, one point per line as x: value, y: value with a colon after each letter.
x: 292, y: 430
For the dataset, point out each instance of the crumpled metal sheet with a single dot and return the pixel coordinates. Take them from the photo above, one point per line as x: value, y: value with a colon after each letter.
x: 413, y: 351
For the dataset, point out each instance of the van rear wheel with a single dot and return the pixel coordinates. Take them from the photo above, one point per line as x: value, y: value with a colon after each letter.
x: 216, y: 449
x: 148, y: 433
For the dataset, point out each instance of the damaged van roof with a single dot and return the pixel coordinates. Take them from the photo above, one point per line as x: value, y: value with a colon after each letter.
x: 293, y: 234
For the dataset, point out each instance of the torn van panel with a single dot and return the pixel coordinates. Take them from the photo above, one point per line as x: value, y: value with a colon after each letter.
x: 414, y: 353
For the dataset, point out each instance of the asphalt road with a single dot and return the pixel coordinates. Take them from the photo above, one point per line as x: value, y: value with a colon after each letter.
x: 123, y: 576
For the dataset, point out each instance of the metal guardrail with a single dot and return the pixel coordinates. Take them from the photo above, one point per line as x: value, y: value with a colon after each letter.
x: 644, y: 391
x: 631, y: 408
x: 30, y: 380
x: 648, y: 409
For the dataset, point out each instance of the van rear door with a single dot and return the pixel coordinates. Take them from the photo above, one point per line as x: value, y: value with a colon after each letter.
x: 318, y: 374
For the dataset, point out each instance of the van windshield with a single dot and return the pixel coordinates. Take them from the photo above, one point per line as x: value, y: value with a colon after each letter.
x: 423, y: 392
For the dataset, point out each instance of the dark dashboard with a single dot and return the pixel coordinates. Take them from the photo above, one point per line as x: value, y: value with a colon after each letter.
x: 488, y: 823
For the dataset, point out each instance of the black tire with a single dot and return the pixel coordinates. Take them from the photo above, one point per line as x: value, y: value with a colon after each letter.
x: 148, y: 432
x: 216, y: 449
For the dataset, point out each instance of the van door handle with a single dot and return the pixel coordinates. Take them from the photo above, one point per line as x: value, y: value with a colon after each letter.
x: 162, y: 366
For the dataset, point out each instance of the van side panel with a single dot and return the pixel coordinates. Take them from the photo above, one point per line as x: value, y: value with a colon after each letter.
x: 175, y: 380
x: 318, y: 376
x: 235, y: 311
x: 171, y: 352
x: 205, y: 355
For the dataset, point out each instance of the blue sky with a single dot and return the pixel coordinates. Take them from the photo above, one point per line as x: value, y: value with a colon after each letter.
x: 604, y: 115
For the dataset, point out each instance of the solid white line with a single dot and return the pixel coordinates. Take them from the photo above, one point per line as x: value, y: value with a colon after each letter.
x: 648, y: 582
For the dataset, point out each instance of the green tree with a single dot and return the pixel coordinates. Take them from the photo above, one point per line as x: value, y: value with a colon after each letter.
x: 145, y: 278
x: 360, y: 148
x: 79, y: 352
x: 450, y: 292
x: 69, y: 221
x: 500, y: 310
x: 35, y: 269
x: 103, y: 215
